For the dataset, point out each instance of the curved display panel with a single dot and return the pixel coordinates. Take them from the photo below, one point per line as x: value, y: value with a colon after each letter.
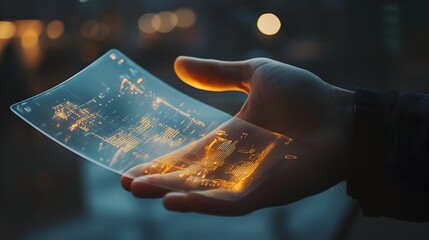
x: 119, y: 116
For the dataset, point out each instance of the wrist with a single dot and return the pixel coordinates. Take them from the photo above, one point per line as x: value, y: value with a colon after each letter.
x: 345, y: 99
x: 341, y: 121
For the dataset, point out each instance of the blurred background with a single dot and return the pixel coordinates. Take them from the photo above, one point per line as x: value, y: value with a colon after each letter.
x: 47, y: 192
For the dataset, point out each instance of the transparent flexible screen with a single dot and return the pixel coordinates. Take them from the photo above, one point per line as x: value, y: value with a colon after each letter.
x: 119, y: 116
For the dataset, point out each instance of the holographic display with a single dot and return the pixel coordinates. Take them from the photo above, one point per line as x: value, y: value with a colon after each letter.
x: 119, y: 116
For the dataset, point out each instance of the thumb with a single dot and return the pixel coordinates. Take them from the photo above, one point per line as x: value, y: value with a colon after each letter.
x: 214, y: 75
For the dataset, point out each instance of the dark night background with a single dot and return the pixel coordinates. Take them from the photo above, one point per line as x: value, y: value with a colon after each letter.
x: 47, y: 192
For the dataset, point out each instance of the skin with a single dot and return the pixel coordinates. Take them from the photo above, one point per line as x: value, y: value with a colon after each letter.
x: 283, y: 99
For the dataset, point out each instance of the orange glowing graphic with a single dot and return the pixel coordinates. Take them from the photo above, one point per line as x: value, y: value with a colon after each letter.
x: 218, y: 162
x: 199, y: 172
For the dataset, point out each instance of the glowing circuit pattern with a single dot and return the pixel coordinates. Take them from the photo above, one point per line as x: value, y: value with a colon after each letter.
x: 221, y: 161
x: 119, y: 116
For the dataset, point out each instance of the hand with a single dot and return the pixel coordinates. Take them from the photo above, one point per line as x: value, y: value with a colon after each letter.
x: 283, y: 99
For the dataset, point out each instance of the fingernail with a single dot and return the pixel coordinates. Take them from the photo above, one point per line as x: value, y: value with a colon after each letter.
x: 176, y: 201
x: 176, y: 194
x: 143, y: 178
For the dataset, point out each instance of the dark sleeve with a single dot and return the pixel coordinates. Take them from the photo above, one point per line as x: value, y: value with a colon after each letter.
x: 389, y: 166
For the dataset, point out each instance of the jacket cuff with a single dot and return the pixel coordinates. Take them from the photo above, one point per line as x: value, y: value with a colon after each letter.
x: 367, y: 178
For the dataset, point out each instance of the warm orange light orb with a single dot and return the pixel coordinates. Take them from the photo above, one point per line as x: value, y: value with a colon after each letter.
x: 55, y: 29
x: 145, y: 23
x: 166, y: 21
x: 268, y: 24
x: 185, y: 16
x: 7, y: 30
x: 30, y: 39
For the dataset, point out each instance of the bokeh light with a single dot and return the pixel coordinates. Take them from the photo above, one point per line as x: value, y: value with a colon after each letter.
x: 145, y: 23
x: 88, y: 28
x: 167, y: 21
x: 101, y: 32
x: 185, y: 16
x: 92, y: 29
x: 268, y: 24
x: 55, y: 29
x: 156, y: 22
x: 30, y: 38
x: 7, y: 30
x: 29, y: 31
x: 24, y: 25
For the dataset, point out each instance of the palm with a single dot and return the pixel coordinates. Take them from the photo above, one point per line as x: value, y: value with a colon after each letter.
x: 296, y: 103
x: 282, y: 99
